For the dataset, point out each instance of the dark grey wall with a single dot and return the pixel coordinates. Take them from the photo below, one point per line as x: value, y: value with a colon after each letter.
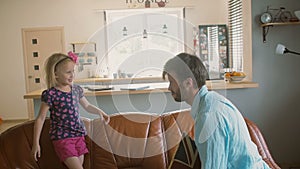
x: 275, y: 105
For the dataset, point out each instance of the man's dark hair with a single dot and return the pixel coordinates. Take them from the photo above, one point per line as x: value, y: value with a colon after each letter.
x: 185, y: 66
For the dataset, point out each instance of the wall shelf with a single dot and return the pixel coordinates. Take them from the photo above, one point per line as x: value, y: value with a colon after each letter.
x: 266, y: 26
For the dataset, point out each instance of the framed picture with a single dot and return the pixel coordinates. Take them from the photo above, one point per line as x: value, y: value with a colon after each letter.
x: 213, y: 46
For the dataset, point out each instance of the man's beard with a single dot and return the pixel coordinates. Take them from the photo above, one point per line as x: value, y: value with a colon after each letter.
x: 178, y: 99
x: 178, y: 96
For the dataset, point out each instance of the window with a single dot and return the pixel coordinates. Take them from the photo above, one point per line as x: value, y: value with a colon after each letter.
x: 140, y: 41
x: 213, y: 46
x: 236, y: 33
x: 240, y: 40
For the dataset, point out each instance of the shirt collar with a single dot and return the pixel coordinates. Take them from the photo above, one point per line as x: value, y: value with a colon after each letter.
x: 195, y: 106
x: 202, y: 91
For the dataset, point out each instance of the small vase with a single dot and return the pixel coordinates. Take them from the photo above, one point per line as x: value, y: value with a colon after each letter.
x: 147, y: 4
x: 161, y: 4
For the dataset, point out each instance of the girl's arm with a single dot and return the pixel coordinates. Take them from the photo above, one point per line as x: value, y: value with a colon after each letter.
x: 93, y: 109
x: 38, y: 125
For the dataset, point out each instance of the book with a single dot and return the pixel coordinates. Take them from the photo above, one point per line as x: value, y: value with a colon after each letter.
x: 99, y: 88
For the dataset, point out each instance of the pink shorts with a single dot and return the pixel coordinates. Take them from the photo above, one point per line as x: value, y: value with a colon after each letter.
x: 70, y: 147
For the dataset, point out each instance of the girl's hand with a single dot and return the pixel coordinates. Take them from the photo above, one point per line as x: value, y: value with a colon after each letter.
x: 105, y: 117
x: 36, y: 152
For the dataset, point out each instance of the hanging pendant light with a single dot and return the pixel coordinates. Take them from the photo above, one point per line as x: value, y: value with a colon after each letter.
x: 145, y: 34
x: 124, y: 31
x: 165, y: 28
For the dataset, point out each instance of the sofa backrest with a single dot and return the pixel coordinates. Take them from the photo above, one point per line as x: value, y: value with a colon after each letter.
x: 131, y: 140
x: 16, y: 144
x: 138, y: 140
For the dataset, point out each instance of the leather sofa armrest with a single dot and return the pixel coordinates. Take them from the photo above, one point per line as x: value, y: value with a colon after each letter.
x: 258, y: 139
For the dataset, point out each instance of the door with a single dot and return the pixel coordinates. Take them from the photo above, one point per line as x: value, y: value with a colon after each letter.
x: 38, y: 45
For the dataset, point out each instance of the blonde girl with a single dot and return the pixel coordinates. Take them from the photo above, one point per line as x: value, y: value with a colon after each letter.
x: 62, y: 99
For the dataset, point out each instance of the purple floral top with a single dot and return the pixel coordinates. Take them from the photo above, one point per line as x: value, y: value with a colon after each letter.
x: 64, y: 112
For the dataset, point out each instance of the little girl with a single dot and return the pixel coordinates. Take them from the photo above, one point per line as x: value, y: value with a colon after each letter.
x: 62, y: 99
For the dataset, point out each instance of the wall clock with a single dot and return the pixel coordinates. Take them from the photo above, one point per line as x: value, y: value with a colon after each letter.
x: 266, y: 17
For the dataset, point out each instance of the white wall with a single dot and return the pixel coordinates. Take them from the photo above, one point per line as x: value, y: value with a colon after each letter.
x: 81, y: 20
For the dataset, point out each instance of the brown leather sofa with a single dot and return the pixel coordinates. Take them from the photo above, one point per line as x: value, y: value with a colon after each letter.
x: 129, y: 141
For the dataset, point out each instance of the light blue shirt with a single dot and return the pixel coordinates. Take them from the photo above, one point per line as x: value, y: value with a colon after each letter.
x: 221, y: 134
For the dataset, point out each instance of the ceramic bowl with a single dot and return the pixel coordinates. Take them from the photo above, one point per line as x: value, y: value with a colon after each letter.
x: 237, y: 78
x: 91, y: 54
x: 81, y: 54
x: 297, y: 13
x: 129, y: 75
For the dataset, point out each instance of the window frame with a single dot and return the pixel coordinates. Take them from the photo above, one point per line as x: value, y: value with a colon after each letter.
x: 247, y: 39
x: 247, y: 28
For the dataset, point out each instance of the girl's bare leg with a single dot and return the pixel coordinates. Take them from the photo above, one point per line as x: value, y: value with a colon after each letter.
x: 81, y: 159
x: 74, y: 162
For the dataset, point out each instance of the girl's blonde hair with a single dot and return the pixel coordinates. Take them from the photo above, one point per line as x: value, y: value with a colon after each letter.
x: 50, y: 67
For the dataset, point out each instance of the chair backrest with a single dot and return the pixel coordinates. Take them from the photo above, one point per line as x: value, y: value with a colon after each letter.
x: 259, y: 140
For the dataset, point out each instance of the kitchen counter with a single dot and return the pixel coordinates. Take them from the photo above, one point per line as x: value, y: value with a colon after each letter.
x: 153, y: 87
x: 153, y: 99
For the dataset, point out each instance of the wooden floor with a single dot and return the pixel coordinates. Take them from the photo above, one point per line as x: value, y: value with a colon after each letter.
x: 9, y: 123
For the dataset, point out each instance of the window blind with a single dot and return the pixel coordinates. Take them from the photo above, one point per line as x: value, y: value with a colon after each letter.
x: 235, y: 26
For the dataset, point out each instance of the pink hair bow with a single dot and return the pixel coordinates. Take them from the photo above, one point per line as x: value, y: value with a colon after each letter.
x: 73, y: 56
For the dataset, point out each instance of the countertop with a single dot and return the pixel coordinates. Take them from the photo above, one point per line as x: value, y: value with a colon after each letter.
x: 155, y: 87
